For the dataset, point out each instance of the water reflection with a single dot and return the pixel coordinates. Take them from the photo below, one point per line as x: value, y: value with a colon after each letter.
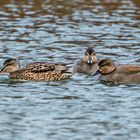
x: 60, y: 31
x: 137, y: 3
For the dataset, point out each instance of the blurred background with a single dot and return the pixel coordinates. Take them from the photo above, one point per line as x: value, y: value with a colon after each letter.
x: 60, y: 31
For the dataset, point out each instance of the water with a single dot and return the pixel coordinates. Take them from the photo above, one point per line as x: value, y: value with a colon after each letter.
x: 60, y: 31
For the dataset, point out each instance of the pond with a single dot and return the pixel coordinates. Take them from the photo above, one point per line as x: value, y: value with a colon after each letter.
x: 60, y: 31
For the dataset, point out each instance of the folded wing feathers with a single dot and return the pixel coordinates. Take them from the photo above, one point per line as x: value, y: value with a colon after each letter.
x: 44, y: 67
x: 130, y: 69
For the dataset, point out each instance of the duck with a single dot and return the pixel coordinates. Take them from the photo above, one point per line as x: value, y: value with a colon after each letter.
x: 88, y: 64
x: 37, y: 71
x: 118, y: 73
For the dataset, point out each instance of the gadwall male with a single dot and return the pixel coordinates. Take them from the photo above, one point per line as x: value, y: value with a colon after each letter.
x: 88, y: 64
x: 38, y: 71
x: 118, y: 73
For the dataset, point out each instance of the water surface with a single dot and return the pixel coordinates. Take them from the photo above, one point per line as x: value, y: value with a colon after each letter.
x: 60, y: 31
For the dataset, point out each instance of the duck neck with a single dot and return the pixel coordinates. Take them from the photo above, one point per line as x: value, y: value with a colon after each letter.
x: 15, y: 68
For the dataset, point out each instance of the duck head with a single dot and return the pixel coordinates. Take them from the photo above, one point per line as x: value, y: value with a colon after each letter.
x: 90, y: 56
x: 106, y: 66
x: 10, y: 65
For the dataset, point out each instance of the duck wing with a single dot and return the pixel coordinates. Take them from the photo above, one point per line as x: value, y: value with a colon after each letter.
x: 44, y: 67
x: 129, y: 69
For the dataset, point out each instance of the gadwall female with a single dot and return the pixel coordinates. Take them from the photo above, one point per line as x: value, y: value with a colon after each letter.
x: 88, y: 64
x: 118, y: 73
x: 38, y: 71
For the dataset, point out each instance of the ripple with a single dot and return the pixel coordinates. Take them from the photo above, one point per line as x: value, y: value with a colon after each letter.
x: 60, y: 31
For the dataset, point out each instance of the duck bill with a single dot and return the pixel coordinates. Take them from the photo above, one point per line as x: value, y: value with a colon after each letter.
x: 96, y: 73
x: 1, y: 71
x: 90, y: 62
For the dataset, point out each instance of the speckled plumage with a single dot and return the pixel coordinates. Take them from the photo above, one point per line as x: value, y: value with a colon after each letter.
x: 39, y: 71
